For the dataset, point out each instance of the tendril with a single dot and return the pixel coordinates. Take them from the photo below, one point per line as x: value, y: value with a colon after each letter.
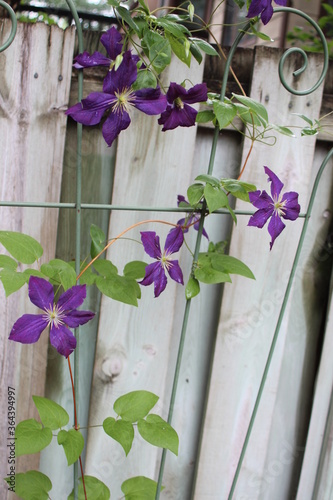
x: 14, y: 25
x: 304, y: 55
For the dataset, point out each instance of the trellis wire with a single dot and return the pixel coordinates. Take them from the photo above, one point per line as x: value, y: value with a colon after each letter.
x: 79, y: 206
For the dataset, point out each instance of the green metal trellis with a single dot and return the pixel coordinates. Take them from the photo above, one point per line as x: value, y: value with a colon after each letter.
x: 79, y: 206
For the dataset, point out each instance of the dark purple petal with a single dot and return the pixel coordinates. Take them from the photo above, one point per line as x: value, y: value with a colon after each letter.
x: 261, y: 199
x: 174, y: 240
x: 118, y: 81
x: 260, y: 218
x: 112, y: 41
x: 281, y: 2
x: 72, y: 298
x: 114, y: 124
x: 63, y: 340
x: 267, y: 13
x: 181, y: 199
x: 155, y: 274
x: 256, y: 7
x: 198, y: 93
x: 85, y: 60
x: 41, y: 292
x: 150, y: 101
x: 74, y: 319
x: 291, y: 207
x: 275, y: 227
x: 204, y: 232
x: 151, y: 244
x: 177, y: 117
x: 276, y: 185
x: 175, y: 271
x: 28, y: 328
x: 90, y: 110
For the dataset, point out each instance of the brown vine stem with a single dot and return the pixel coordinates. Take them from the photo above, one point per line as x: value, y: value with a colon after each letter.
x: 76, y: 427
x: 119, y: 236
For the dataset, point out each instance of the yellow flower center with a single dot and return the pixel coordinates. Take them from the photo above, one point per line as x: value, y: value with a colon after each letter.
x: 179, y: 103
x: 54, y: 316
x: 124, y: 100
x: 279, y: 206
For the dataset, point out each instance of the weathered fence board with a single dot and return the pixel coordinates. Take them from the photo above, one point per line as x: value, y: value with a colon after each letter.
x: 248, y: 315
x: 34, y: 88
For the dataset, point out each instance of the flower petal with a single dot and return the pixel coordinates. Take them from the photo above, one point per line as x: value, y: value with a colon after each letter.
x: 175, y: 271
x: 155, y: 274
x: 174, y: 240
x: 292, y: 207
x: 28, y: 328
x: 112, y: 41
x: 122, y: 78
x: 275, y: 227
x: 72, y: 298
x: 260, y: 217
x: 91, y: 110
x: 41, y: 292
x: 63, y: 340
x: 174, y: 117
x: 261, y: 199
x: 114, y: 124
x: 150, y: 101
x: 85, y: 60
x: 276, y: 185
x: 76, y: 318
x: 198, y: 93
x: 267, y: 13
x: 151, y: 244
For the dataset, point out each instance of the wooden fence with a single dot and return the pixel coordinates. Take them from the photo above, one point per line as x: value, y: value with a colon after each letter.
x: 230, y: 327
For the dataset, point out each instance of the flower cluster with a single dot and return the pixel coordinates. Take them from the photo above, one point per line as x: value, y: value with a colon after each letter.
x: 114, y: 103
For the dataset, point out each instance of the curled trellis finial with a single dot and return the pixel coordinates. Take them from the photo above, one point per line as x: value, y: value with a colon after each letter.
x: 304, y: 55
x: 14, y: 25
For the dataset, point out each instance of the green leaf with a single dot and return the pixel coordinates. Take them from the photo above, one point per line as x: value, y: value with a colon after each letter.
x: 135, y: 405
x: 22, y: 247
x: 173, y: 28
x: 239, y: 189
x: 225, y: 112
x: 254, y: 106
x: 145, y: 79
x: 126, y: 16
x: 120, y: 430
x: 194, y: 49
x: 31, y: 485
x: 211, y: 276
x: 309, y: 131
x: 192, y: 288
x: 158, y: 432
x: 135, y: 269
x: 31, y: 437
x: 95, y: 489
x: 73, y: 443
x: 305, y: 118
x: 60, y: 273
x: 283, y: 130
x: 215, y: 197
x: 119, y: 288
x: 139, y: 488
x: 210, y: 179
x: 204, y: 46
x: 51, y: 414
x: 97, y: 240
x: 105, y: 268
x: 12, y: 280
x: 230, y: 265
x: 159, y: 50
x: 261, y: 35
x: 144, y: 7
x: 246, y: 115
x: 179, y: 49
x: 195, y: 193
x: 7, y: 262
x: 205, y: 116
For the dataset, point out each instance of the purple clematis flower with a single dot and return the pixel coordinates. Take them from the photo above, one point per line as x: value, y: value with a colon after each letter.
x: 112, y: 41
x: 59, y: 316
x: 155, y: 272
x: 188, y: 221
x: 274, y: 207
x: 117, y: 98
x: 178, y: 113
x: 263, y: 7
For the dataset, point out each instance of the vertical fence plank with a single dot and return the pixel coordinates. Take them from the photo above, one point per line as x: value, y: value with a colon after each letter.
x: 249, y: 313
x: 35, y: 76
x: 135, y: 346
